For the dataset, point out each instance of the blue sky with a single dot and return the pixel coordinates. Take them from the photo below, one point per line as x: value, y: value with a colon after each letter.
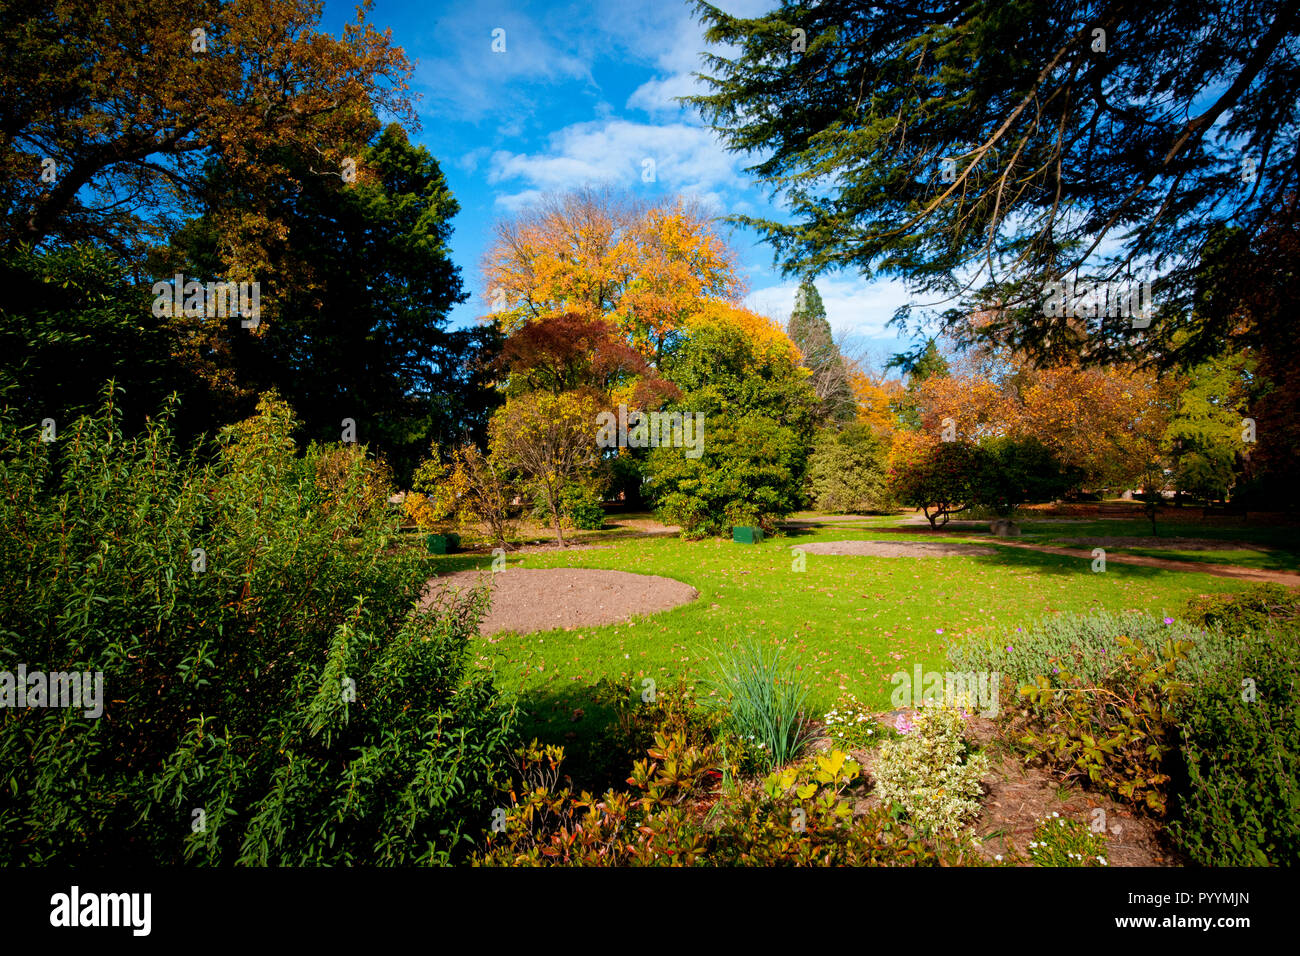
x: 583, y: 94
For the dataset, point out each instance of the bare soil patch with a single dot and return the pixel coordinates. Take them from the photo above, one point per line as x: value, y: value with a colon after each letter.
x: 540, y: 599
x: 894, y: 549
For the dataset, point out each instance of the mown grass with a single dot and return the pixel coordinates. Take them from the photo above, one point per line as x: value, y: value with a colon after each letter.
x: 850, y: 622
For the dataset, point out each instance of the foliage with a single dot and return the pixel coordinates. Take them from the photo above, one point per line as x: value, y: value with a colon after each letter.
x: 847, y: 470
x: 126, y: 105
x: 933, y: 475
x: 852, y: 727
x: 765, y: 694
x: 1255, y: 608
x: 70, y: 320
x: 569, y: 351
x: 1086, y: 645
x: 1240, y: 805
x: 1116, y: 733
x: 356, y: 300
x: 1061, y: 842
x: 1204, y: 433
x: 477, y: 490
x: 739, y: 371
x: 1010, y: 472
x: 644, y: 268
x: 981, y: 149
x: 346, y: 471
x: 811, y: 334
x: 801, y: 816
x: 274, y: 698
x: 930, y: 773
x: 549, y: 440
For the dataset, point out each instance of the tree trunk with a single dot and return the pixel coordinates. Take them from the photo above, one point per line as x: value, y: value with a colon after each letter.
x: 555, y: 514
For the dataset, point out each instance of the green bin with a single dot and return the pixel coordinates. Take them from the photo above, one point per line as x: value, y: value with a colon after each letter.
x: 742, y: 534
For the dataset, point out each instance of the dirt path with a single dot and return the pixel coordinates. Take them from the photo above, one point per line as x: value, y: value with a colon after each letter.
x: 1288, y: 578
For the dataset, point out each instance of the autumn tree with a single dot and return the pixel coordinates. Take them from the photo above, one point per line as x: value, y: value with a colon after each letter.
x: 643, y: 267
x: 939, y: 477
x: 111, y: 113
x: 548, y: 439
x: 364, y: 282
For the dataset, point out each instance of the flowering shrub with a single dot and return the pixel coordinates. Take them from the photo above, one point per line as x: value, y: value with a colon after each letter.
x: 852, y: 727
x: 930, y: 774
x: 1061, y: 842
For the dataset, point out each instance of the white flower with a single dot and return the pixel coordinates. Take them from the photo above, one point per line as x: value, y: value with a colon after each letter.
x: 998, y: 857
x: 1103, y: 861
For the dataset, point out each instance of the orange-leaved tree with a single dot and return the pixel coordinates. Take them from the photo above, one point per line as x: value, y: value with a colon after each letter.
x: 644, y: 267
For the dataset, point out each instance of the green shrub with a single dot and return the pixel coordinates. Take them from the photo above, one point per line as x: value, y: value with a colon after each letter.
x: 1116, y: 733
x: 749, y: 473
x: 273, y: 698
x: 583, y: 508
x: 847, y: 470
x: 1086, y: 645
x: 801, y: 816
x: 1240, y: 805
x: 1255, y: 608
x: 764, y: 694
x: 1061, y: 842
x: 853, y: 727
x: 930, y: 774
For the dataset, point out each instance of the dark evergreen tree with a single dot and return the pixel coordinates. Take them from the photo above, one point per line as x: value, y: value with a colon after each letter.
x: 811, y: 332
x: 980, y: 149
x: 357, y: 303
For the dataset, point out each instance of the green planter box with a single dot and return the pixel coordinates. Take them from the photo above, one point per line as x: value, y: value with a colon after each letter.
x: 746, y: 535
x: 442, y: 543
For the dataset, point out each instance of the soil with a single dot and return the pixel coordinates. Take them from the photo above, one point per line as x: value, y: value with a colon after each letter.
x: 1017, y: 798
x: 540, y: 599
x: 893, y: 549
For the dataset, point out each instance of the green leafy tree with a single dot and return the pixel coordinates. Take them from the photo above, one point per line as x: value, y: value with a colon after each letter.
x: 71, y: 320
x: 758, y: 410
x: 363, y: 289
x: 848, y: 470
x: 1009, y: 472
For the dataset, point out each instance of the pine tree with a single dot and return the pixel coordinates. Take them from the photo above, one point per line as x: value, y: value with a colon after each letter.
x: 811, y: 332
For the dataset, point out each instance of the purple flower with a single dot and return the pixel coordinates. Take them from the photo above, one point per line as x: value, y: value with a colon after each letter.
x: 938, y: 630
x: 1056, y: 670
x: 902, y: 724
x: 1169, y: 620
x: 1008, y: 647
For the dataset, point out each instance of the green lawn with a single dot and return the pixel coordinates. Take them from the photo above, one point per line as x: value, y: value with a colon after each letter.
x: 852, y: 621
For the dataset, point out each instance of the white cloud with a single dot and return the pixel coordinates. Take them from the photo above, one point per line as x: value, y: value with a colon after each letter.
x: 853, y: 306
x: 685, y: 158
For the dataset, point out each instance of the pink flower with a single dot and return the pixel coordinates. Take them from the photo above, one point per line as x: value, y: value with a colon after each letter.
x: 902, y: 724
